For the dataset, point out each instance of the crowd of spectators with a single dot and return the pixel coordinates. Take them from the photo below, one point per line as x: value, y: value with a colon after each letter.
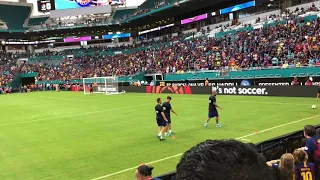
x: 294, y: 43
x: 303, y: 163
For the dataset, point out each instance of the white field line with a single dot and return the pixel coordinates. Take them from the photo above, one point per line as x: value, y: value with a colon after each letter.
x: 245, y: 140
x: 70, y: 115
x: 239, y: 138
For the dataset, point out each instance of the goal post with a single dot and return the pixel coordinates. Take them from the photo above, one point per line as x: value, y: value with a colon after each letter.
x: 107, y: 85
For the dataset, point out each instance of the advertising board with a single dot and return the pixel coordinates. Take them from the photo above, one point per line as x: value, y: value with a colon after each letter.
x: 70, y: 4
x: 77, y: 39
x: 194, y: 19
x: 237, y: 7
x: 113, y: 36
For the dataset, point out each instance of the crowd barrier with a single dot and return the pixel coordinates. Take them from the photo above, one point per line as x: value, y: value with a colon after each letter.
x: 284, y: 91
x: 271, y: 149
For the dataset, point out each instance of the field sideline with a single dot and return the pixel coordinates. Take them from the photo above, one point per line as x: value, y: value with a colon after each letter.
x: 67, y: 135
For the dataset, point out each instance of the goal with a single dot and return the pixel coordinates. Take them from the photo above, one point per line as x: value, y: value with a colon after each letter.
x: 107, y: 85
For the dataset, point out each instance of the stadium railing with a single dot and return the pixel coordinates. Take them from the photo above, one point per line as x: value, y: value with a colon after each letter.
x: 271, y: 149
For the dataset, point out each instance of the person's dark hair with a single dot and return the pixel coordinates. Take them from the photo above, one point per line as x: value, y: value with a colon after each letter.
x: 145, y: 170
x: 309, y: 130
x: 223, y: 160
x: 158, y: 100
x: 169, y: 97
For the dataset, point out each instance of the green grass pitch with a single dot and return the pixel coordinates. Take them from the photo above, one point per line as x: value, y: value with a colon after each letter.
x: 67, y: 135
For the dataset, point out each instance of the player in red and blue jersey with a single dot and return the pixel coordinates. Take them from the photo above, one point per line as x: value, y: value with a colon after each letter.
x: 213, y: 112
x: 312, y: 147
x: 303, y: 169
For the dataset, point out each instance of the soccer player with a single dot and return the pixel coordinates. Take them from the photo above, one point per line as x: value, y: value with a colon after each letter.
x: 213, y: 112
x: 91, y: 89
x: 162, y: 121
x: 303, y: 169
x: 167, y: 109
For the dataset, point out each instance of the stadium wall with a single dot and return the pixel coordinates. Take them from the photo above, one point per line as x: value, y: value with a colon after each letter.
x: 284, y: 91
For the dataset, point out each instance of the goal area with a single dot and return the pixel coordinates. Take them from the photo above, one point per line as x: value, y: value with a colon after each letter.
x: 106, y: 85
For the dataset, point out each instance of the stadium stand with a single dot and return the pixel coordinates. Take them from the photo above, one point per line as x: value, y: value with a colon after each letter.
x: 149, y: 6
x: 122, y: 14
x: 15, y: 16
x: 279, y: 45
x: 37, y: 21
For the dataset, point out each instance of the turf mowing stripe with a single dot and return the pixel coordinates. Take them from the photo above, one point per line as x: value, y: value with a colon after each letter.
x: 239, y: 138
x: 70, y: 115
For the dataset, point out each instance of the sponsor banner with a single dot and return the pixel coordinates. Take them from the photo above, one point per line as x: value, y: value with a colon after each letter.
x: 70, y: 4
x: 285, y: 91
x: 77, y: 39
x: 169, y: 89
x: 194, y: 19
x: 113, y: 36
x: 240, y: 82
x: 108, y: 89
x: 237, y: 7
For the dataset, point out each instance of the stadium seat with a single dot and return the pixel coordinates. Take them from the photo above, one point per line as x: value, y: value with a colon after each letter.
x: 264, y: 75
x: 302, y: 75
x: 278, y: 75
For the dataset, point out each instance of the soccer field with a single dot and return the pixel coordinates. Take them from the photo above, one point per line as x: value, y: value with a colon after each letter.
x: 67, y: 135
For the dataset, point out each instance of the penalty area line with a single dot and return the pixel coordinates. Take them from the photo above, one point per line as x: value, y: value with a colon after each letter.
x: 239, y: 138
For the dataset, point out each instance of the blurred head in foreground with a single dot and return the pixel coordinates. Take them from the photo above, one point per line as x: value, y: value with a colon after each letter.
x: 144, y: 172
x: 222, y: 160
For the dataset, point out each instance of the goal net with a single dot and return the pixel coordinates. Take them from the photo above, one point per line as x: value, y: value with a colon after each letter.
x: 106, y: 85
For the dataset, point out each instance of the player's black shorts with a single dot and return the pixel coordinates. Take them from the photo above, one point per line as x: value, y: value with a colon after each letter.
x: 91, y: 90
x: 161, y: 122
x: 168, y: 118
x: 213, y: 113
x: 318, y: 90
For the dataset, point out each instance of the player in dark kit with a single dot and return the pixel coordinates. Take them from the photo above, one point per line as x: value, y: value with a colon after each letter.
x: 162, y: 121
x: 213, y: 112
x: 167, y: 109
x: 303, y: 169
x: 91, y: 89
